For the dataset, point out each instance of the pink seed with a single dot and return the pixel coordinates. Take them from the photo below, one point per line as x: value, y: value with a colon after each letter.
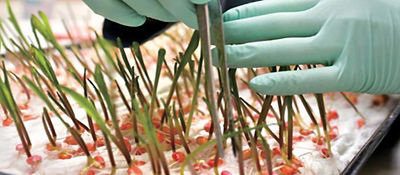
x: 34, y: 160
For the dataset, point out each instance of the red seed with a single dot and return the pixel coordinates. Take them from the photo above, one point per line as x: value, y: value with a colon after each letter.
x: 297, y: 138
x: 139, y: 162
x: 190, y: 141
x: 318, y: 140
x: 333, y: 134
x: 100, y: 160
x: 28, y: 117
x: 34, y: 160
x: 271, y: 115
x: 50, y: 147
x: 139, y: 150
x: 263, y: 154
x: 91, y: 172
x: 332, y: 115
x: 200, y: 165
x: 128, y: 144
x: 201, y: 140
x: 81, y: 129
x: 266, y: 173
x: 90, y: 146
x: 380, y: 99
x: 186, y: 109
x: 256, y: 116
x: 225, y: 172
x: 207, y: 126
x: 288, y: 170
x: 314, y: 139
x: 20, y: 148
x: 70, y: 140
x: 100, y: 142
x: 276, y: 151
x: 64, y: 156
x: 360, y: 123
x: 196, y: 166
x: 211, y: 162
x: 297, y: 162
x: 96, y: 127
x: 325, y: 153
x: 246, y: 154
x: 8, y: 122
x: 259, y: 145
x: 134, y: 170
x: 178, y: 156
x: 166, y: 129
x: 126, y: 126
x: 352, y: 97
x: 110, y: 122
x: 157, y: 121
x: 279, y: 164
x: 177, y: 142
x: 23, y: 106
x: 161, y: 137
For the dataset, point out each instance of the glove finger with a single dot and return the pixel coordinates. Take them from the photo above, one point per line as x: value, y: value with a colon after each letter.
x: 116, y: 11
x: 184, y: 10
x: 199, y: 2
x: 272, y: 26
x: 282, y: 52
x: 152, y: 9
x: 268, y: 7
x: 318, y: 80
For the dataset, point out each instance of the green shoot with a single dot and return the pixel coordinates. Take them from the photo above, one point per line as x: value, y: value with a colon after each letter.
x: 99, y: 79
x: 92, y: 112
x: 161, y: 57
x: 7, y: 100
x: 14, y: 22
x: 352, y: 105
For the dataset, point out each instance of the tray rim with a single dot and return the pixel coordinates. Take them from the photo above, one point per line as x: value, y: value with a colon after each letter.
x: 355, y: 165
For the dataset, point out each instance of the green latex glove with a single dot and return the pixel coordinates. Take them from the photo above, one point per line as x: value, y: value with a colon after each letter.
x: 133, y: 12
x: 358, y: 41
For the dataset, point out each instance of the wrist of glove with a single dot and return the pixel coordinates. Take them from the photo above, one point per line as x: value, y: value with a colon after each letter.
x: 357, y: 41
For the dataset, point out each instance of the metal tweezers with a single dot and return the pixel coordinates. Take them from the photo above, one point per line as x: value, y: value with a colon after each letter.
x: 203, y: 17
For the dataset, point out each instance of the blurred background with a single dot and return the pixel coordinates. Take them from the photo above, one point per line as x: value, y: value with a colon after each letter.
x: 73, y: 14
x: 55, y: 9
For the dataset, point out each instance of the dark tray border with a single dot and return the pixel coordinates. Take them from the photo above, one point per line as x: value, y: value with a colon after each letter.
x: 373, y: 142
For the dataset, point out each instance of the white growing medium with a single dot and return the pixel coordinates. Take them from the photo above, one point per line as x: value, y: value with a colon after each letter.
x: 344, y: 148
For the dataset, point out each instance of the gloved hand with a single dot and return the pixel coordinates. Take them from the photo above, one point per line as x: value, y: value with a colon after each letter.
x: 358, y: 41
x: 134, y: 12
